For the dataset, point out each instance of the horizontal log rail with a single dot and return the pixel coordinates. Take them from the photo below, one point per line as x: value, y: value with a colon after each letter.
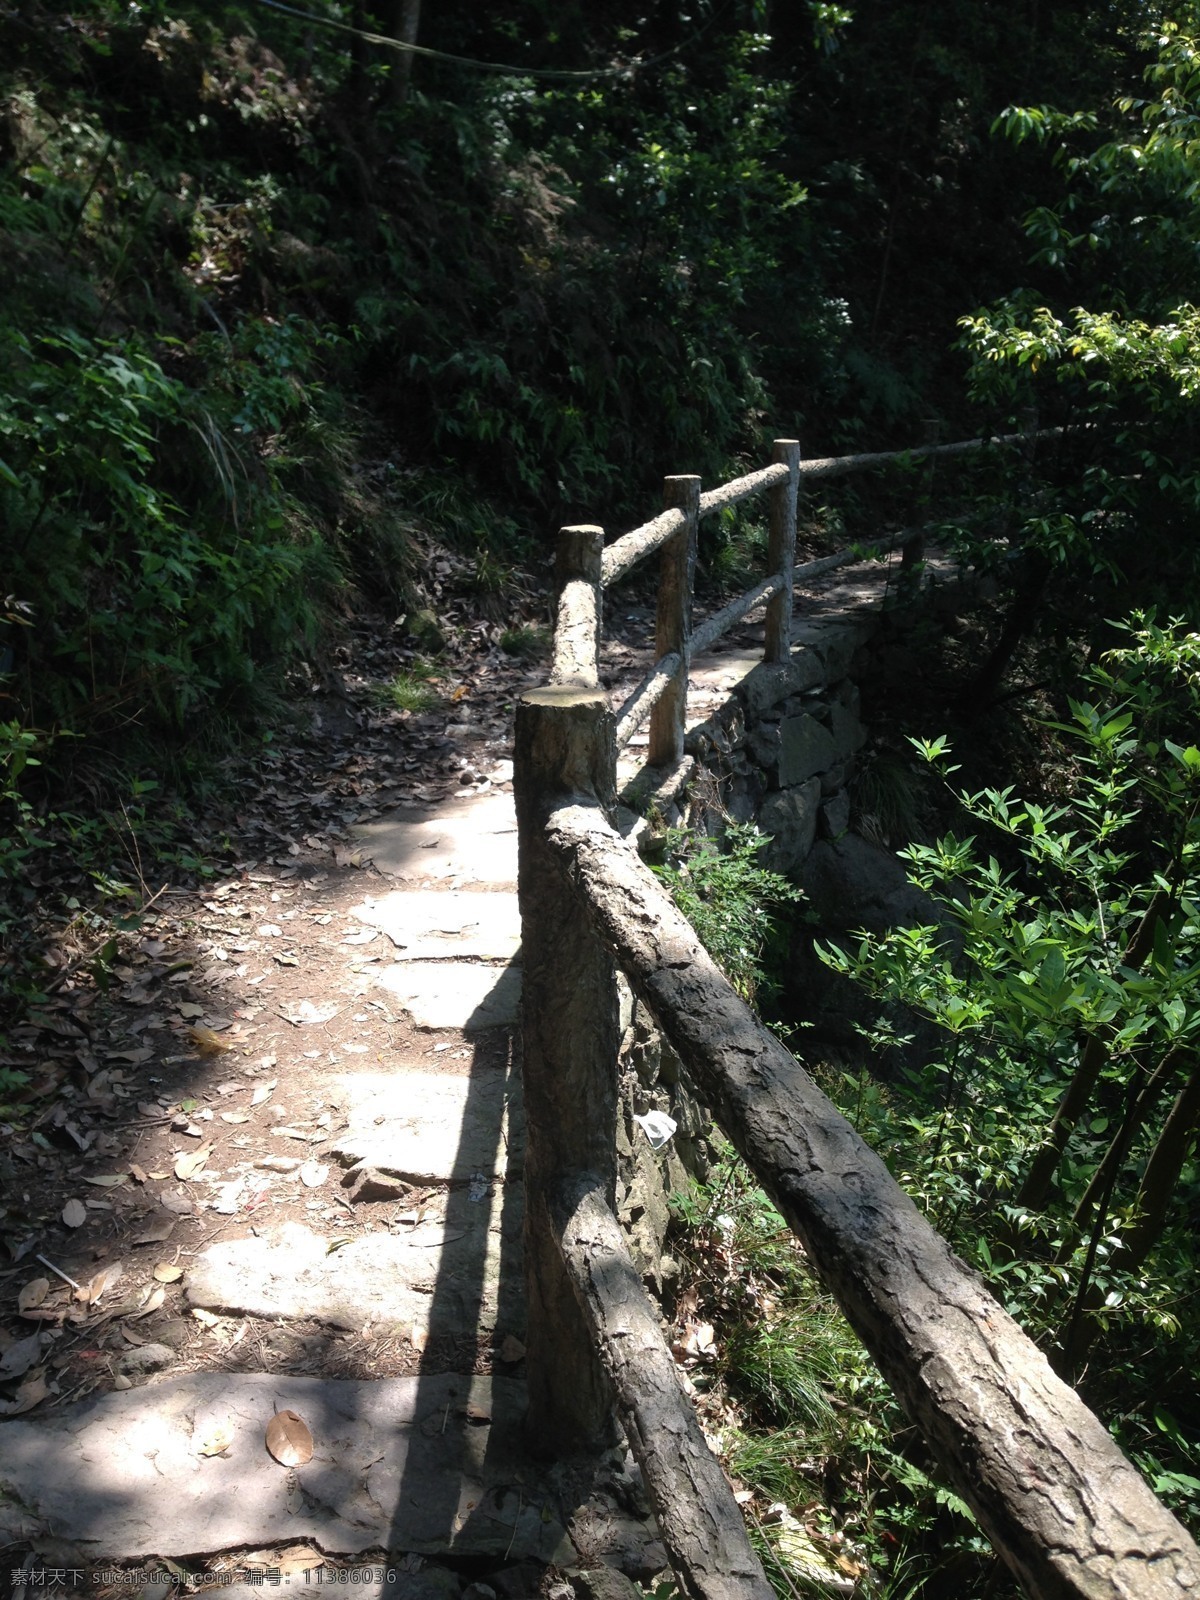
x: 1065, y: 1510
x: 1060, y: 1503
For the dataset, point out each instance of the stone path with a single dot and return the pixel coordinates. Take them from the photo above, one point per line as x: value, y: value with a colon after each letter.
x: 406, y: 1467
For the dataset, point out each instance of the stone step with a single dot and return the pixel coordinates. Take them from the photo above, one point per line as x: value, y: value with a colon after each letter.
x: 460, y: 1273
x: 431, y: 1127
x: 439, y: 924
x: 454, y: 994
x: 467, y: 841
x: 430, y: 1464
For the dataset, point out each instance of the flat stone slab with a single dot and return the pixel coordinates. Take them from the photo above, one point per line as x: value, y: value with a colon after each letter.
x: 454, y: 994
x: 432, y: 1127
x: 429, y: 1464
x: 472, y: 840
x: 461, y: 1274
x: 434, y: 924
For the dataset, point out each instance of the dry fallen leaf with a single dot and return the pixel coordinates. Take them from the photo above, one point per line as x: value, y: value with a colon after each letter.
x: 190, y: 1162
x: 298, y: 1558
x: 157, y: 1229
x: 205, y: 1317
x: 235, y: 1116
x: 511, y: 1349
x: 419, y: 1337
x: 138, y: 1174
x: 107, y: 1278
x: 110, y: 1180
x: 168, y: 1272
x: 31, y: 1393
x: 313, y: 1174
x: 229, y: 1197
x: 19, y: 1357
x: 74, y: 1213
x: 305, y: 1011
x: 33, y: 1294
x: 216, y: 1438
x: 152, y: 1304
x: 289, y: 1440
x: 263, y: 1093
x: 207, y: 1042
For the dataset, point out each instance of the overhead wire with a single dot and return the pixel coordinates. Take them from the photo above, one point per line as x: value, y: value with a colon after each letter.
x: 504, y: 68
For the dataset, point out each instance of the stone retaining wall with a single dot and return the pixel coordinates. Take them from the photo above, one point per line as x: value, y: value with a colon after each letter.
x: 782, y: 748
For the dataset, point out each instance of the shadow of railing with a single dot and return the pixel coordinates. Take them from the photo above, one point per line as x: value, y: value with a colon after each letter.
x: 465, y: 1488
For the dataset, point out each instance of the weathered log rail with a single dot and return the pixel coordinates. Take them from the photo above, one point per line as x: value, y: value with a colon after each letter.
x: 1063, y: 1507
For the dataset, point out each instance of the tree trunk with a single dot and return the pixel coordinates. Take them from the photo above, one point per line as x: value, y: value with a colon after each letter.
x: 1074, y: 1103
x: 1036, y: 1187
x: 1121, y: 1144
x: 1162, y: 1173
x: 403, y: 23
x: 1064, y: 1508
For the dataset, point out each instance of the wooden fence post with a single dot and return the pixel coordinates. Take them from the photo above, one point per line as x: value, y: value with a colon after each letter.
x: 673, y: 629
x: 579, y: 616
x: 781, y: 551
x: 570, y: 1030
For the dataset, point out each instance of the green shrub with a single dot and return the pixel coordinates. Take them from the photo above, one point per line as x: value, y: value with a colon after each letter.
x: 727, y: 896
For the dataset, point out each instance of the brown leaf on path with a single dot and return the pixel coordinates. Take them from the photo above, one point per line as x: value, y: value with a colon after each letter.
x: 289, y: 1440
x: 107, y: 1278
x: 34, y: 1292
x: 305, y: 1011
x: 216, y: 1438
x: 152, y: 1304
x: 511, y: 1348
x: 189, y: 1162
x: 19, y: 1357
x: 263, y: 1093
x: 313, y: 1174
x: 31, y: 1393
x: 138, y: 1174
x: 168, y: 1272
x: 110, y: 1180
x: 298, y: 1558
x: 418, y: 1337
x: 159, y: 1228
x: 74, y: 1213
x: 207, y: 1042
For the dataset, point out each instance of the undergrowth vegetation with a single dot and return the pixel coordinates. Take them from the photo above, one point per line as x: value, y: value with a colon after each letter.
x: 1043, y: 1116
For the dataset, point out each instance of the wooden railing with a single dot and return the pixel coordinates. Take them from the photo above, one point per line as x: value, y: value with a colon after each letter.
x: 1062, y: 1506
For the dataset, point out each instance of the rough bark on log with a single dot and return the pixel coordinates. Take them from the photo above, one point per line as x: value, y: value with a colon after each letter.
x: 697, y: 1515
x: 673, y: 621
x: 1063, y: 1507
x: 625, y: 553
x: 578, y: 618
x: 570, y: 1039
x: 838, y: 466
x: 645, y: 697
x: 781, y: 552
x: 728, y: 494
x: 712, y: 628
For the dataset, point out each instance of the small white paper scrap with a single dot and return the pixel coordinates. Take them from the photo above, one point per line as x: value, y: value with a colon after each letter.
x: 657, y: 1126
